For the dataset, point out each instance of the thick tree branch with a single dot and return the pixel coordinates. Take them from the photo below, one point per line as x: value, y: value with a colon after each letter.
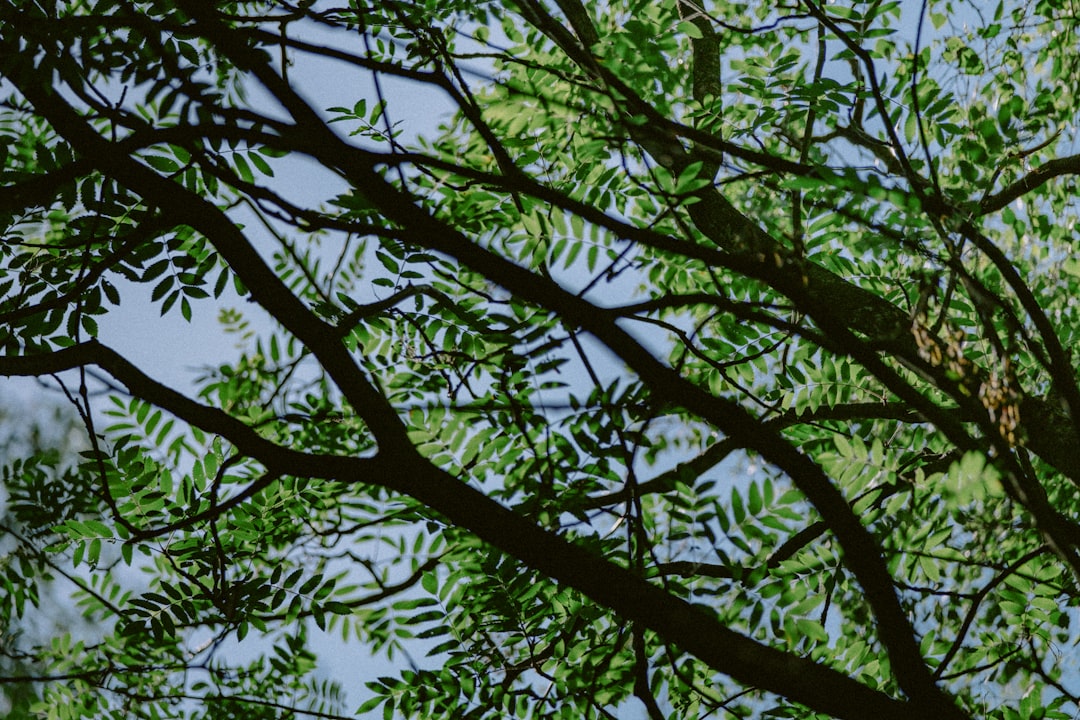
x: 1047, y: 171
x: 274, y: 457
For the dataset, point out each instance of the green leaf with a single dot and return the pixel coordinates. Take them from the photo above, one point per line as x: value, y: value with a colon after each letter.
x: 243, y: 170
x: 688, y: 28
x: 737, y: 508
x: 162, y: 164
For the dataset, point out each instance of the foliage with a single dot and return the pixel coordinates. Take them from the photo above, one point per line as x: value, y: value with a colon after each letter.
x: 706, y: 361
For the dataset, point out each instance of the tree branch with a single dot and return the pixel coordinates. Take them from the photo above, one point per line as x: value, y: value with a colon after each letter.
x: 1047, y: 171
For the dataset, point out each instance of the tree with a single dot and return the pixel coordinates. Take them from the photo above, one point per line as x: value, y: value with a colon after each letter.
x: 710, y: 360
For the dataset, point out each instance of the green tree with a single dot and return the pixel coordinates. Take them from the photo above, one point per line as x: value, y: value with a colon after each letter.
x: 712, y: 359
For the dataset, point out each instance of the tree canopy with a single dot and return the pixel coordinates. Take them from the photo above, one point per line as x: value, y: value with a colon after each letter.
x: 666, y: 359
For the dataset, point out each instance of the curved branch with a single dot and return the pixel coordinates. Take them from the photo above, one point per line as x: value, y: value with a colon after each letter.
x: 1047, y: 171
x: 275, y: 458
x: 718, y: 451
